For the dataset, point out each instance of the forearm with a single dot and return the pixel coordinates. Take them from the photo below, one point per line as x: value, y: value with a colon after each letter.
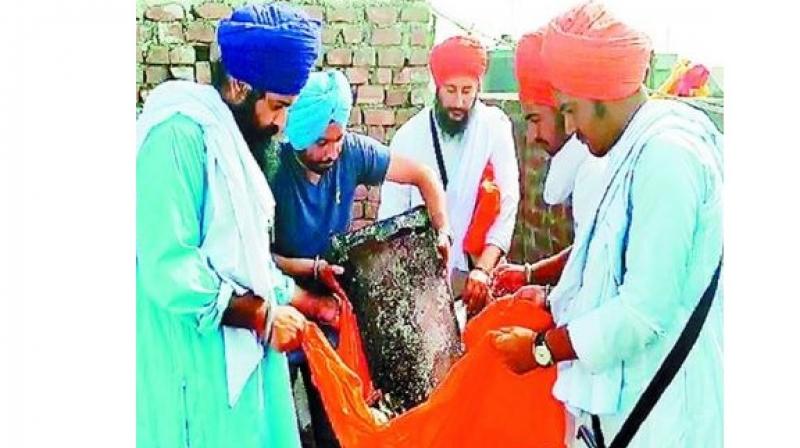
x: 248, y: 311
x: 295, y: 267
x: 548, y: 271
x: 434, y: 196
x: 489, y: 257
x: 560, y: 344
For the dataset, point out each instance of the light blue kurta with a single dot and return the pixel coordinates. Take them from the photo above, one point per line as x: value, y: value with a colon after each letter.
x: 647, y: 264
x: 181, y: 390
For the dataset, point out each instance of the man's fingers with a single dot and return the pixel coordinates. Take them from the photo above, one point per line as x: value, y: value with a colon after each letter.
x: 338, y: 270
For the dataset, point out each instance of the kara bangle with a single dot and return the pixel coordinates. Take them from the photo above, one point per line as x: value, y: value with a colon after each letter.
x: 269, y: 320
x: 316, y: 267
x: 528, y: 274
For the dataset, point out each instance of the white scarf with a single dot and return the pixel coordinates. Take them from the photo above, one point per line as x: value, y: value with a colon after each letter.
x: 599, y: 393
x: 237, y: 237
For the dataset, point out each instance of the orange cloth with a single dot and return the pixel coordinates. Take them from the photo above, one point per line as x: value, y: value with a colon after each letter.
x: 480, y: 403
x: 458, y: 56
x: 590, y: 54
x: 487, y: 208
x: 534, y: 87
x: 351, y: 348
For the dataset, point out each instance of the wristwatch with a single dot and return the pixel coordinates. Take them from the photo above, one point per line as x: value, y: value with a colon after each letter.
x: 541, y: 353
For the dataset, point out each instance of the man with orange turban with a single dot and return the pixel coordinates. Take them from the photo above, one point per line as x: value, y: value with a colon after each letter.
x: 458, y: 137
x: 638, y: 337
x: 573, y: 171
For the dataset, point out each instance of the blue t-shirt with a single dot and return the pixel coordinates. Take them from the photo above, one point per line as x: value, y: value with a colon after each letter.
x: 307, y: 215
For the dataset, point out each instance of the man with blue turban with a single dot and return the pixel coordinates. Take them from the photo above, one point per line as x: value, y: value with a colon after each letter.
x: 315, y: 180
x: 213, y: 314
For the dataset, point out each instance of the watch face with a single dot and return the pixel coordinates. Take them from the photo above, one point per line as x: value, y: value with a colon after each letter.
x: 542, y: 355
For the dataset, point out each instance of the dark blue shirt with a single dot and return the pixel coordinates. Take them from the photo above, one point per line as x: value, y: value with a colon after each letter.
x: 307, y: 215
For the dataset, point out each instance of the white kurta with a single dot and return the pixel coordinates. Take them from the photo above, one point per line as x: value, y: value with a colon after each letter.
x: 488, y: 137
x: 637, y: 272
x: 575, y: 172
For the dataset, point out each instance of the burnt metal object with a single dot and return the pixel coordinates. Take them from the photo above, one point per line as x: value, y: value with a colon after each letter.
x: 394, y: 277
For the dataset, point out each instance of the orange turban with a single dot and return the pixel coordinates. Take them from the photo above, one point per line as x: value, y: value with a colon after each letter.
x: 590, y: 54
x: 534, y: 87
x: 458, y: 56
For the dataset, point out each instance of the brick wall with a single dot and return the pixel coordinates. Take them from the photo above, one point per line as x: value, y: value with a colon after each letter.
x: 381, y: 46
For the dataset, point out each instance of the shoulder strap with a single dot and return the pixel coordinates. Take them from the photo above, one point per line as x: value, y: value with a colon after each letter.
x: 670, y: 367
x: 438, y: 148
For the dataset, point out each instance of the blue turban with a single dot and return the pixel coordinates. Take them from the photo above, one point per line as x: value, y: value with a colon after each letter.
x: 326, y: 98
x: 272, y: 47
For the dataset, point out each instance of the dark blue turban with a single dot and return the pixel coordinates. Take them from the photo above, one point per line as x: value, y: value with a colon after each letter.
x: 272, y: 47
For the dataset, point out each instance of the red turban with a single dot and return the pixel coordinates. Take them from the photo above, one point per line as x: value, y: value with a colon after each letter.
x: 534, y: 87
x: 458, y: 56
x: 590, y: 54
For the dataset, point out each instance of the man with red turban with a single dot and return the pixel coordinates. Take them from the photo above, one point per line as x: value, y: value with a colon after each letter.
x: 573, y: 171
x: 645, y: 270
x: 458, y: 137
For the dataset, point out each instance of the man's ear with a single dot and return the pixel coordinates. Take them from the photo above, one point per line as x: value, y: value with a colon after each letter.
x: 235, y: 91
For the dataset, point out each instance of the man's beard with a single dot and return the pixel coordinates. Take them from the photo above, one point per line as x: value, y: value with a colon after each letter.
x: 257, y: 139
x: 317, y: 167
x: 449, y: 126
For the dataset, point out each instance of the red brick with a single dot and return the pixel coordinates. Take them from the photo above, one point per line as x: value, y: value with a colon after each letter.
x: 144, y: 32
x: 359, y: 224
x: 183, y: 54
x: 397, y: 96
x: 382, y: 75
x: 338, y: 57
x: 419, y: 36
x: 355, y: 117
x: 418, y: 56
x: 370, y: 210
x: 386, y: 36
x: 361, y: 193
x: 374, y: 194
x: 379, y: 117
x: 403, y: 115
x: 416, y: 13
x: 315, y: 12
x: 203, y: 72
x: 213, y: 11
x: 363, y: 56
x: 391, y: 57
x: 353, y: 34
x: 330, y: 34
x: 165, y: 13
x: 200, y: 32
x: 382, y: 16
x: 402, y: 77
x: 358, y: 210
x: 347, y: 15
x: 181, y: 72
x: 157, y: 54
x: 378, y: 133
x: 370, y: 95
x: 357, y: 75
x: 155, y: 74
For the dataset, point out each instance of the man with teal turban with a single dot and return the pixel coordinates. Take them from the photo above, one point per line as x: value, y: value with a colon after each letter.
x: 319, y: 167
x: 213, y: 314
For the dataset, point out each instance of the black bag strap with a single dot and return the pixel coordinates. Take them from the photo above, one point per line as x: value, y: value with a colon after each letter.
x: 668, y: 369
x: 438, y: 148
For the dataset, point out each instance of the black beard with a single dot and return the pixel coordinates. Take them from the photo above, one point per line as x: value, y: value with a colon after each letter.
x: 449, y: 126
x: 257, y: 139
